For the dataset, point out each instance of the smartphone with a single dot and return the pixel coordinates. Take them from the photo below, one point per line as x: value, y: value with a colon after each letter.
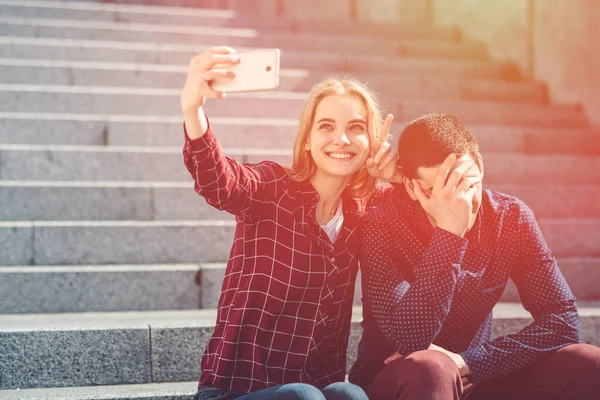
x: 257, y: 70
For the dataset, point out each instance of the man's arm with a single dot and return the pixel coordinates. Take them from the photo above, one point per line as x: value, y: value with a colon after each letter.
x: 410, y: 296
x: 545, y: 294
x: 408, y: 307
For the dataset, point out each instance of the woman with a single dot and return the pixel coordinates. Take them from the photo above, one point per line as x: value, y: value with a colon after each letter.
x: 284, y: 314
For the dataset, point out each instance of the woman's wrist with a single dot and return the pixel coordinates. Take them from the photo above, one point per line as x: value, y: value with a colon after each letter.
x: 196, y: 123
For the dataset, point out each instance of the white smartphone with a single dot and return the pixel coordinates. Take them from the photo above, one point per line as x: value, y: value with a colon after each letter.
x: 257, y: 70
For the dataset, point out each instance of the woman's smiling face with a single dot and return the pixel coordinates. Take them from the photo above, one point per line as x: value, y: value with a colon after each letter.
x: 339, y: 139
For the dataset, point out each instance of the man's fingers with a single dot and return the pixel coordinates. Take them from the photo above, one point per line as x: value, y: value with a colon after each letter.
x: 419, y: 193
x: 469, y: 183
x: 470, y: 193
x: 457, y: 175
x: 442, y: 173
x: 392, y: 358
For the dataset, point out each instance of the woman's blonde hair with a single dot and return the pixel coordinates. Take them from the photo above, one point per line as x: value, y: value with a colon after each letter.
x: 303, y: 166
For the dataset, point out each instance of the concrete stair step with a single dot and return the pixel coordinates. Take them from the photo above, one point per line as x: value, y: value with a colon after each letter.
x: 146, y: 201
x: 508, y: 139
x: 145, y: 391
x: 85, y: 349
x: 115, y: 242
x: 275, y: 104
x: 128, y: 163
x: 110, y: 288
x: 93, y: 73
x: 218, y: 18
x: 140, y: 130
x: 110, y: 30
x: 22, y: 162
x: 111, y: 201
x: 79, y: 49
x: 88, y: 288
x: 145, y: 242
x: 89, y: 349
x: 411, y: 11
x: 568, y: 201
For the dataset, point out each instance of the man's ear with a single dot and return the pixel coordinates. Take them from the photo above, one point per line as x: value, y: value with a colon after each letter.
x: 410, y: 188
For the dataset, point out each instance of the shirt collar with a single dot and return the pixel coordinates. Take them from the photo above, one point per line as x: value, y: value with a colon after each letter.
x: 310, y: 196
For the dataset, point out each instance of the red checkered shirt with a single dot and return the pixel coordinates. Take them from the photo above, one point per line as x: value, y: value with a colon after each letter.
x: 286, y: 303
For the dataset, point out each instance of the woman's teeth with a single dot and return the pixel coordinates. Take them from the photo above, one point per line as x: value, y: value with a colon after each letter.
x: 340, y: 155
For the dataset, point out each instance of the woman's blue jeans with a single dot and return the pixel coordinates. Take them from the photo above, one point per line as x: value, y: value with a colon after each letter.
x: 291, y: 391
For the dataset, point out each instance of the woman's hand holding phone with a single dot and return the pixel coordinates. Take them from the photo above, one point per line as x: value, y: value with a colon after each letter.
x: 202, y: 71
x: 220, y: 70
x: 197, y: 86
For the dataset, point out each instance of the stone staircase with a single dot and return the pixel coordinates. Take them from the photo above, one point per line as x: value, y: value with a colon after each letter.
x: 110, y: 264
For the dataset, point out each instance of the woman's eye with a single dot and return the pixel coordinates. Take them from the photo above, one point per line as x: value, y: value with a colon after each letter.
x: 357, y: 127
x: 327, y: 127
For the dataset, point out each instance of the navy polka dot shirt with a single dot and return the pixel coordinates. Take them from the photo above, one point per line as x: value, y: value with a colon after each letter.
x: 424, y: 285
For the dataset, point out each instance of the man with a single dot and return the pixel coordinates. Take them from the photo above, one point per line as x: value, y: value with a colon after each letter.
x: 437, y: 255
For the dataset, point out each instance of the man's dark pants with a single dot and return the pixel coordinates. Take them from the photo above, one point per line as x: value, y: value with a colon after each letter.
x: 570, y: 373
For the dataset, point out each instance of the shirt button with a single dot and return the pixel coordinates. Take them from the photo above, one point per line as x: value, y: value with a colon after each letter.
x: 332, y: 259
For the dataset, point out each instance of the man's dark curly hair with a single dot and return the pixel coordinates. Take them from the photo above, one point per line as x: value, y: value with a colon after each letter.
x: 428, y: 140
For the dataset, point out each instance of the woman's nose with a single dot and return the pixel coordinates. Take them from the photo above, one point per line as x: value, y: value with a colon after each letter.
x: 341, y: 138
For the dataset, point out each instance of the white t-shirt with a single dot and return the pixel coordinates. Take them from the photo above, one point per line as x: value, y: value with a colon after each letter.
x: 334, y: 226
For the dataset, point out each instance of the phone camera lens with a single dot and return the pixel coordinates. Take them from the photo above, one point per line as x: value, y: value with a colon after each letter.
x: 268, y: 68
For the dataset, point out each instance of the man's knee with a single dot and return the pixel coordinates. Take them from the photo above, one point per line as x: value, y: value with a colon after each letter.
x: 421, y: 375
x: 579, y: 358
x: 578, y: 367
x: 431, y: 365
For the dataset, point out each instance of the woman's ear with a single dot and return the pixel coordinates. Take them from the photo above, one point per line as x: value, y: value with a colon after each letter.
x: 410, y: 188
x: 307, y: 145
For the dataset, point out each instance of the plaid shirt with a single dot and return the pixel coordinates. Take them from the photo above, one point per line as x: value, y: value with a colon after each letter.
x: 286, y: 303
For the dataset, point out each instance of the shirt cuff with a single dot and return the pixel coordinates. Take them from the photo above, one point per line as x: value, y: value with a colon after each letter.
x: 451, y: 238
x: 445, y: 248
x: 477, y: 359
x: 206, y: 142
